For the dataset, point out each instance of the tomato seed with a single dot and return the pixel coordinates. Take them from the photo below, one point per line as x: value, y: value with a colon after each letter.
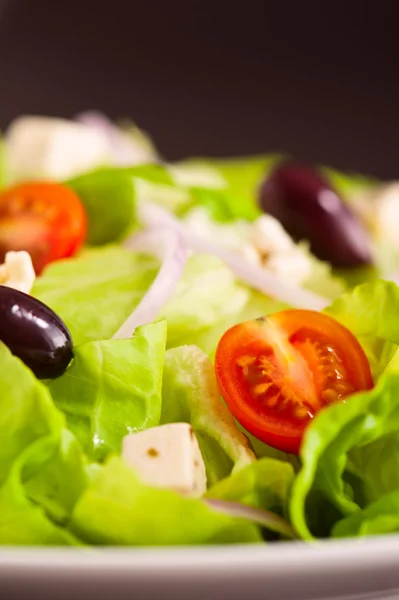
x: 272, y: 401
x: 301, y: 412
x: 245, y: 361
x: 261, y: 388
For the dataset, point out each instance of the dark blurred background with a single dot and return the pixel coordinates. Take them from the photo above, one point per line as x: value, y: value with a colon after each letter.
x: 315, y: 79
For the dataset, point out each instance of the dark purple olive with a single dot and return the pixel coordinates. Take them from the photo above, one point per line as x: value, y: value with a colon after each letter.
x: 34, y: 333
x: 309, y: 209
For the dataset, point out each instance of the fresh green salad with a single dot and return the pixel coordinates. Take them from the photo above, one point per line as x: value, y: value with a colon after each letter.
x: 203, y: 352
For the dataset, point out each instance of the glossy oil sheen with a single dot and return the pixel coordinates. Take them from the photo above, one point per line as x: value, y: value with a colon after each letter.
x: 34, y: 333
x: 309, y: 209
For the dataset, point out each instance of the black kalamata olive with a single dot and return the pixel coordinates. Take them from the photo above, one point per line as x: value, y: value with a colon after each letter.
x: 34, y: 333
x: 309, y: 209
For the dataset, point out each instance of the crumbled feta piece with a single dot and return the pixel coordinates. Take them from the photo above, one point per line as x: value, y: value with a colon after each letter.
x: 250, y: 253
x: 388, y: 214
x: 167, y: 456
x: 229, y: 235
x: 269, y: 236
x: 53, y: 148
x: 17, y: 271
x: 293, y: 267
x: 264, y: 243
x: 278, y: 252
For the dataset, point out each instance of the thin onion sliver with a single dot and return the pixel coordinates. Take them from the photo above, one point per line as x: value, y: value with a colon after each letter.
x: 155, y: 217
x: 171, y: 248
x: 261, y: 517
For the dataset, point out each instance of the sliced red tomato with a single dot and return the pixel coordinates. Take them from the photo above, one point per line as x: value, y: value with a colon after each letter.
x: 45, y: 219
x: 277, y: 372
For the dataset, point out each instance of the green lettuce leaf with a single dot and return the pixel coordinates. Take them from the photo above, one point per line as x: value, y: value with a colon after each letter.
x: 55, y: 472
x: 27, y: 411
x: 233, y: 195
x: 323, y: 280
x: 139, y: 515
x: 375, y: 466
x: 199, y: 302
x: 263, y: 484
x: 349, y: 453
x: 24, y: 522
x: 42, y: 468
x: 155, y: 184
x: 257, y: 305
x: 326, y: 451
x: 96, y: 292
x: 190, y: 395
x: 380, y: 517
x: 370, y: 311
x: 113, y: 388
x: 108, y: 196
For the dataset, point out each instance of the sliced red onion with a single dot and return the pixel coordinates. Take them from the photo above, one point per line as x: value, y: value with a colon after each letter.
x: 123, y: 151
x: 154, y: 216
x: 261, y: 517
x: 173, y: 252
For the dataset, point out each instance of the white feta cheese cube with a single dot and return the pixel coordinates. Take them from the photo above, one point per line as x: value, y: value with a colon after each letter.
x: 17, y: 271
x: 167, y: 456
x: 44, y: 147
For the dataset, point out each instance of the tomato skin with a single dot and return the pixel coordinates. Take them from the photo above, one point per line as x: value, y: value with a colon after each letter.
x: 300, y: 360
x: 46, y: 219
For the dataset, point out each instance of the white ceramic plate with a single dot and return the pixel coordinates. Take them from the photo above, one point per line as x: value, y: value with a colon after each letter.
x: 348, y: 570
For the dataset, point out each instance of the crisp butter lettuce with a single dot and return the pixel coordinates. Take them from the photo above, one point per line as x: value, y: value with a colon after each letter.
x: 113, y: 388
x: 42, y: 468
x: 257, y: 305
x: 380, y: 517
x: 371, y: 312
x: 40, y: 492
x: 207, y: 294
x: 365, y: 418
x: 350, y: 450
x: 118, y: 509
x: 96, y: 292
x: 265, y: 484
x: 27, y: 412
x: 23, y: 522
x: 51, y: 495
x: 228, y: 187
x: 108, y: 196
x: 322, y: 279
x: 190, y: 394
x: 54, y: 473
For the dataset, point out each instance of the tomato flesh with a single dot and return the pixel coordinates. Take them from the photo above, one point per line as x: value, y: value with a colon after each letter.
x: 45, y: 219
x: 277, y: 372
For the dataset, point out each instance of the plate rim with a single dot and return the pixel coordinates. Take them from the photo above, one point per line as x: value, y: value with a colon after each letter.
x: 376, y: 554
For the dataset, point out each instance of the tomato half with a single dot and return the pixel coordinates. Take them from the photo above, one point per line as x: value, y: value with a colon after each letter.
x: 277, y: 372
x: 45, y: 219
